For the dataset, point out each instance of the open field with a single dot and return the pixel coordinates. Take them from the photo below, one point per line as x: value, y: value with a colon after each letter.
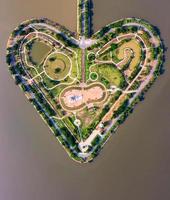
x: 57, y: 66
x: 110, y: 73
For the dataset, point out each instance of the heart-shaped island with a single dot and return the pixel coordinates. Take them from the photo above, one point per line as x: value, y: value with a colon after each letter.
x: 84, y: 86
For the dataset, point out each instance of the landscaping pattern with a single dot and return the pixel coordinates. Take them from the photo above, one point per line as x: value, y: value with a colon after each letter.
x: 84, y: 86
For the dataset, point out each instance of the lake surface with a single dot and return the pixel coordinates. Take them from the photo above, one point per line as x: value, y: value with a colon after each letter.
x: 135, y: 163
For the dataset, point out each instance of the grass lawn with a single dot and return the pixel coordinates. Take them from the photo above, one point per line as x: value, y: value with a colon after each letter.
x: 110, y: 73
x: 32, y: 71
x: 75, y: 72
x: 135, y: 47
x: 56, y: 91
x: 57, y: 66
x: 146, y: 39
x: 93, y: 76
x: 48, y: 82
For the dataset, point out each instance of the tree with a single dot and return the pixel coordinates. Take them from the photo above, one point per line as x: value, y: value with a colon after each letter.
x: 114, y: 46
x: 18, y: 80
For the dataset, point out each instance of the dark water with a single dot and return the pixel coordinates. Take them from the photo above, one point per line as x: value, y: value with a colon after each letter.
x: 134, y: 165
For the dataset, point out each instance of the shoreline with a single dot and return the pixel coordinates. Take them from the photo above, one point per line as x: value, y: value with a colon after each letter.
x: 12, y: 49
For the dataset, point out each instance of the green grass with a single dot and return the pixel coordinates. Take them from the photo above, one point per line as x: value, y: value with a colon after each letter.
x: 93, y: 76
x: 32, y: 71
x: 110, y: 73
x: 57, y: 66
x: 74, y: 72
x: 48, y: 82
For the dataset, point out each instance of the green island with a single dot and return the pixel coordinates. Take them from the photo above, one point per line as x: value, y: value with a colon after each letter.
x: 85, y: 85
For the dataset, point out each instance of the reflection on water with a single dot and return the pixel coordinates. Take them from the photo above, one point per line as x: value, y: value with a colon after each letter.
x: 135, y: 164
x: 39, y: 50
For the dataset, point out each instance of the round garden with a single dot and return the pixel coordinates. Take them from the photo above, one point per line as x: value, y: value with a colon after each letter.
x: 57, y: 66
